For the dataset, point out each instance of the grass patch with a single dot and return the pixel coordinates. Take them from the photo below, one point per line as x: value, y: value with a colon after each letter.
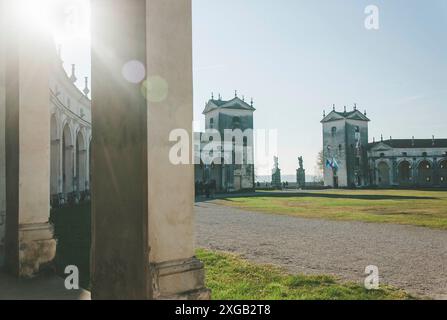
x: 412, y: 207
x: 231, y: 277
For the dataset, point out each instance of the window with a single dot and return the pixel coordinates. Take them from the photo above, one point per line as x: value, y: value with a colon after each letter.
x: 340, y: 147
x: 236, y: 122
x: 334, y: 131
x: 357, y: 162
x: 212, y: 123
x: 424, y: 154
x: 382, y: 155
x: 357, y: 129
x: 405, y: 154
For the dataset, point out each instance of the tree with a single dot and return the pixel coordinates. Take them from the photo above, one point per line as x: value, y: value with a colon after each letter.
x: 320, y: 162
x: 319, y: 167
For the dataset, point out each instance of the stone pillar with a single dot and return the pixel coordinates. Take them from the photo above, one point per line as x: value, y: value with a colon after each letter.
x: 2, y: 138
x: 142, y: 205
x: 29, y: 237
x: 55, y: 164
x: 414, y: 172
x: 393, y: 180
x: 435, y: 178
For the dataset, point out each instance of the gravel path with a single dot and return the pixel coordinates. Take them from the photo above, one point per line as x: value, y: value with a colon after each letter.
x: 408, y: 257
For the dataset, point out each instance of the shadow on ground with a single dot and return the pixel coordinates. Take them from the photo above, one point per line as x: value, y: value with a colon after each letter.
x: 72, y: 229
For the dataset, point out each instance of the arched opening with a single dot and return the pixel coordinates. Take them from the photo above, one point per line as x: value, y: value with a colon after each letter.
x: 383, y: 174
x: 81, y: 165
x: 55, y: 154
x: 443, y: 173
x: 425, y: 173
x: 404, y: 173
x: 67, y: 162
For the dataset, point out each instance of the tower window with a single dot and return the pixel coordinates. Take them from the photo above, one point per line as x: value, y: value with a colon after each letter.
x: 334, y: 131
x: 357, y: 129
x: 212, y: 123
x: 236, y: 122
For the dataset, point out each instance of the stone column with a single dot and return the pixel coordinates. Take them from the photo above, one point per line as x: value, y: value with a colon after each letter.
x: 142, y: 205
x: 29, y: 237
x: 55, y: 177
x: 2, y: 138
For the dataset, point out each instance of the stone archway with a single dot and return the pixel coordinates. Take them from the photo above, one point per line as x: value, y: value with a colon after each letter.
x: 67, y: 161
x: 143, y: 244
x: 425, y: 173
x: 405, y: 176
x: 81, y: 164
x: 383, y: 171
x: 55, y: 158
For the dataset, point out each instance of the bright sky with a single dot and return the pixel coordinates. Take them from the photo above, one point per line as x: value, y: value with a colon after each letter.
x: 298, y: 57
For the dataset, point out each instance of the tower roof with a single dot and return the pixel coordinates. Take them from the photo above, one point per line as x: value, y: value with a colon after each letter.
x: 235, y: 103
x: 352, y: 115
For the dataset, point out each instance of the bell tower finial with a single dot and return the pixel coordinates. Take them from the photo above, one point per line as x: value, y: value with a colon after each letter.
x: 86, y: 89
x: 73, y: 73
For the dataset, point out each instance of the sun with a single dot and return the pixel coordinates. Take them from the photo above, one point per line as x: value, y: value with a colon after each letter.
x: 63, y: 19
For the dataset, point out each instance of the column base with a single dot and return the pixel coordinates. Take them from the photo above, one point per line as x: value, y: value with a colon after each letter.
x: 179, y: 280
x: 37, y: 249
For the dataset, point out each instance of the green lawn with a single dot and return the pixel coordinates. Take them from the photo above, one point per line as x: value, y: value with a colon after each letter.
x: 231, y: 277
x: 419, y: 208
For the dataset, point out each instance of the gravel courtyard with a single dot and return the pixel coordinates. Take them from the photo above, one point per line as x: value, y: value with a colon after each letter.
x: 408, y: 257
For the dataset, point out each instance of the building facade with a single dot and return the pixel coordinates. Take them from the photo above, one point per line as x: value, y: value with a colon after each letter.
x: 70, y: 112
x: 351, y: 161
x: 345, y: 142
x: 408, y: 163
x: 230, y: 122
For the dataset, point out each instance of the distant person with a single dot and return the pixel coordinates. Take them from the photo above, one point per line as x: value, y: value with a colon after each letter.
x: 207, y: 189
x: 213, y: 188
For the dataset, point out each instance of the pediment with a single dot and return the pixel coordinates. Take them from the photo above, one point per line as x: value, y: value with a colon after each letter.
x: 333, y: 116
x: 381, y: 146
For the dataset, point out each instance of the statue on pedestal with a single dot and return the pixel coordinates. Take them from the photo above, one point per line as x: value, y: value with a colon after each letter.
x: 301, y: 174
